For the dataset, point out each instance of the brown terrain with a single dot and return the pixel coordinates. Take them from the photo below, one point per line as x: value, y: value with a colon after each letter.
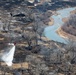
x: 73, y: 12
x: 35, y: 54
x: 64, y: 34
x: 65, y: 20
x: 67, y: 31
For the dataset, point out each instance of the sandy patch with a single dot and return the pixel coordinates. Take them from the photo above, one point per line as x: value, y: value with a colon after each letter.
x: 65, y: 34
x: 1, y: 39
x: 51, y: 22
x: 65, y: 19
x: 17, y: 65
x: 73, y: 12
x: 20, y: 65
x: 45, y: 38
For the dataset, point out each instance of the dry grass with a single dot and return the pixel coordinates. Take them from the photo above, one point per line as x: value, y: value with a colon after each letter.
x: 1, y: 39
x: 24, y: 65
x: 60, y: 74
x: 20, y: 65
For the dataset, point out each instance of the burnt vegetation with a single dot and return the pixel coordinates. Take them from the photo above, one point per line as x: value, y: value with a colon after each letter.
x: 25, y: 26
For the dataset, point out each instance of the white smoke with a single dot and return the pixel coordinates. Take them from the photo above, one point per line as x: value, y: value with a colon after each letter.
x: 7, y: 56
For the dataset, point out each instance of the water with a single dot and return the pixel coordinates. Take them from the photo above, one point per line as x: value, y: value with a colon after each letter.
x: 50, y: 31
